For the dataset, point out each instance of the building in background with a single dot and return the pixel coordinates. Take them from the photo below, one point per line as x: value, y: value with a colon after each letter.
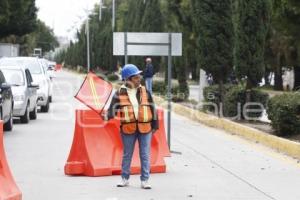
x: 9, y: 50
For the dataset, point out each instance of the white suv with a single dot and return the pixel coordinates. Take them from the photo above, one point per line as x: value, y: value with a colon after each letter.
x: 38, y: 74
x: 48, y: 72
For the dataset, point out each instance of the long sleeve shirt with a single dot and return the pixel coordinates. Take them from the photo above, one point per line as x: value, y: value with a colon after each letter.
x: 149, y: 71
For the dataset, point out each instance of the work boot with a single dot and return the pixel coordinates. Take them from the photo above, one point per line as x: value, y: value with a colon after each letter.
x: 145, y: 185
x: 123, y: 183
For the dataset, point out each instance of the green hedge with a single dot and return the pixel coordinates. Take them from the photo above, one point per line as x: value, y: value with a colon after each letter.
x: 211, y: 94
x: 112, y: 77
x: 284, y: 113
x: 234, y: 101
x: 160, y: 88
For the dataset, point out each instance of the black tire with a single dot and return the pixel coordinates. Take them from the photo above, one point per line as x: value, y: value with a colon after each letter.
x: 46, y: 107
x: 25, y: 118
x: 8, y: 126
x: 50, y: 99
x: 33, y: 114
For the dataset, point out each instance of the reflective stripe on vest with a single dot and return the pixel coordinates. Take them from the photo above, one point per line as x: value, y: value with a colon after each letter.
x: 129, y: 122
x: 126, y: 114
x: 145, y: 113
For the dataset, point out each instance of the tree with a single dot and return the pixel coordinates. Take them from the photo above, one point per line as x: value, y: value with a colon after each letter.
x: 45, y: 37
x: 152, y: 20
x: 253, y: 22
x: 17, y: 17
x: 213, y: 28
x: 4, y: 15
x: 178, y: 18
x: 285, y: 29
x: 100, y: 43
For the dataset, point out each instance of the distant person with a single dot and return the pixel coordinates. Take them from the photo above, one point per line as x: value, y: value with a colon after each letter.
x: 148, y: 74
x: 210, y: 79
x: 233, y: 79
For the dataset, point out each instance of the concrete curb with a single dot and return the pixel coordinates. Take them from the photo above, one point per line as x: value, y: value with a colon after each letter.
x: 280, y: 144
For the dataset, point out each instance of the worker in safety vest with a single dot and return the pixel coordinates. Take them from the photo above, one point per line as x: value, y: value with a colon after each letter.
x: 134, y: 105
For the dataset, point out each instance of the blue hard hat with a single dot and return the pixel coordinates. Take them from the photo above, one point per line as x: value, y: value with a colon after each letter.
x: 130, y: 70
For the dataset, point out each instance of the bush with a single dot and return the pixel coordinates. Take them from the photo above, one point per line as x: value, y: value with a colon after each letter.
x: 284, y: 113
x: 212, y: 95
x: 235, y: 100
x: 80, y: 69
x: 112, y: 77
x: 159, y: 87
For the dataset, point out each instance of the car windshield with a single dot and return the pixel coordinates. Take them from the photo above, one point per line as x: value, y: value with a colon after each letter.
x: 14, y: 76
x: 32, y: 65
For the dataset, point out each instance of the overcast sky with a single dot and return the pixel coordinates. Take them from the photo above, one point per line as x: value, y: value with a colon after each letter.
x: 64, y: 15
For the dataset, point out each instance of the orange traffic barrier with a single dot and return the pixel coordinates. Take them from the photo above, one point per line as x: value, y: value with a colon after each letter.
x: 97, y: 148
x: 161, y: 134
x: 58, y: 67
x: 8, y: 187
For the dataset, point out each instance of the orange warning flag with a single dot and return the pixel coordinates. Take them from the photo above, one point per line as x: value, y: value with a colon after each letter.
x: 94, y: 92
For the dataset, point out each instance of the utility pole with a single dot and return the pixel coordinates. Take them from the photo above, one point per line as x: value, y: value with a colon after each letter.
x: 100, y: 9
x: 87, y: 31
x: 113, y: 15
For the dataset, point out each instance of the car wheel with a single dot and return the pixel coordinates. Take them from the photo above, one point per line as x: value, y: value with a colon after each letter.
x: 33, y: 114
x: 45, y: 108
x: 50, y: 99
x: 8, y: 126
x: 25, y: 117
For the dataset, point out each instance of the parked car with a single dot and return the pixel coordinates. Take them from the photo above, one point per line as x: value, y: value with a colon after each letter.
x: 49, y: 73
x: 38, y: 74
x: 24, y: 92
x: 6, y: 103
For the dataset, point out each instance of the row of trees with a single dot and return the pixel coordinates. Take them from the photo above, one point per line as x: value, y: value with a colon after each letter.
x: 19, y: 25
x: 131, y: 16
x: 283, y: 43
x: 247, y: 38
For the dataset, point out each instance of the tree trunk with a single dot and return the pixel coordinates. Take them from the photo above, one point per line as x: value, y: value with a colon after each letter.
x: 297, y: 78
x: 183, y: 85
x: 278, y: 85
x: 249, y: 87
x: 278, y: 80
x: 222, y: 94
x: 266, y: 76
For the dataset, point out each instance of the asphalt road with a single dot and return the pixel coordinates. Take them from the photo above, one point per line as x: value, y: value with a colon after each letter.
x: 212, y: 164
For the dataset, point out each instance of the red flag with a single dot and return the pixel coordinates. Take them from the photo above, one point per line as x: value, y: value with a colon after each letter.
x: 94, y: 92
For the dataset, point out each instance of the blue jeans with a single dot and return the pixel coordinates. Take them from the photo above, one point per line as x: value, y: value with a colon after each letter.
x: 148, y: 82
x: 128, y: 148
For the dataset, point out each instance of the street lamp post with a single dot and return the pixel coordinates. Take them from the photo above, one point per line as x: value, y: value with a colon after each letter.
x: 101, y: 6
x: 100, y: 9
x: 113, y: 14
x: 87, y: 29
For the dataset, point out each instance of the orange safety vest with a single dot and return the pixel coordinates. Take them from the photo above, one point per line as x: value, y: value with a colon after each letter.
x: 129, y: 123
